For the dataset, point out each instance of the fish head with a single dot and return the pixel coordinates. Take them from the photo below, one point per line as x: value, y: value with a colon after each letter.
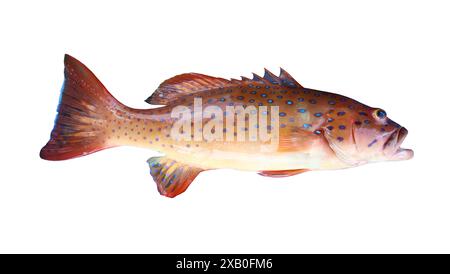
x: 378, y: 138
x: 367, y: 135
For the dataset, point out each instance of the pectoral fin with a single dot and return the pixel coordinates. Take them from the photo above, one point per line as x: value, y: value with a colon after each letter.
x: 343, y: 143
x: 172, y: 178
x: 281, y: 173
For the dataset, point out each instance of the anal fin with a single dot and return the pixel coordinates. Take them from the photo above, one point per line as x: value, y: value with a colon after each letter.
x: 281, y: 173
x: 172, y: 178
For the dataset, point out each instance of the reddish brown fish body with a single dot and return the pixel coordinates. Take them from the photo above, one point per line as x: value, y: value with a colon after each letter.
x: 314, y: 129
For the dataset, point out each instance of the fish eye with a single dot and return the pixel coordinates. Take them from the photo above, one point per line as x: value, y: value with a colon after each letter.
x: 380, y: 114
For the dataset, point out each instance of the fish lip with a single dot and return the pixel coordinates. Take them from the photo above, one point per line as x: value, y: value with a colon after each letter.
x: 402, y: 154
x: 392, y: 145
x: 395, y: 139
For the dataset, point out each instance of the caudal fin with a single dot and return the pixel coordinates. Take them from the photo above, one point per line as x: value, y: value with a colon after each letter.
x: 83, y: 110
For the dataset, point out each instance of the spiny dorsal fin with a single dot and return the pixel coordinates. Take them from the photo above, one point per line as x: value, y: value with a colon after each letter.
x: 288, y: 80
x: 281, y: 173
x: 272, y: 78
x: 192, y: 83
x: 172, y: 178
x: 257, y: 78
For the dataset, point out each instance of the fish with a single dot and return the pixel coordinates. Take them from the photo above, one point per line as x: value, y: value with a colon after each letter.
x: 268, y: 124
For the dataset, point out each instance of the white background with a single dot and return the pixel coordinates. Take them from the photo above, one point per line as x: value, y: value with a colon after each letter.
x: 391, y: 54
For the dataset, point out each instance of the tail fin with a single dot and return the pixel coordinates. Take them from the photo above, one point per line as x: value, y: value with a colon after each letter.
x: 83, y: 110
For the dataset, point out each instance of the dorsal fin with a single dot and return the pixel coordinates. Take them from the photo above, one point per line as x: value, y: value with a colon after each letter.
x: 235, y: 81
x: 257, y: 78
x: 272, y: 78
x: 192, y: 83
x: 185, y: 84
x: 288, y: 80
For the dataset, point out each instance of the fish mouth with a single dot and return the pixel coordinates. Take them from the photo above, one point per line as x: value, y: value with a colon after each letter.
x: 392, y: 145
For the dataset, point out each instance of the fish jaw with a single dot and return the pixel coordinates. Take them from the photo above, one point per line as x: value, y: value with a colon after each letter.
x: 392, y: 149
x: 402, y: 154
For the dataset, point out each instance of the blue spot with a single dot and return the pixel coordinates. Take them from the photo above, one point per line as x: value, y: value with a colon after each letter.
x: 231, y: 104
x: 250, y: 86
x: 340, y: 139
x: 279, y: 97
x: 289, y: 102
x: 240, y: 97
x: 300, y: 99
x: 318, y: 114
x: 312, y: 101
x: 332, y: 102
x: 210, y: 100
x: 342, y: 127
x: 222, y: 99
x: 260, y: 104
x: 330, y: 120
x: 251, y: 101
x: 330, y: 127
x: 282, y: 114
x: 317, y: 132
x: 263, y: 95
x: 301, y: 110
x: 363, y: 113
x: 373, y: 142
x: 341, y: 113
x: 270, y: 101
x: 291, y: 120
x: 283, y: 125
x: 258, y: 87
x: 253, y: 92
x: 382, y: 129
x: 267, y: 87
x: 307, y: 125
x: 366, y: 122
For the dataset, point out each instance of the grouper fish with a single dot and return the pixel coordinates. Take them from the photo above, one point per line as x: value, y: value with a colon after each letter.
x: 271, y: 125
